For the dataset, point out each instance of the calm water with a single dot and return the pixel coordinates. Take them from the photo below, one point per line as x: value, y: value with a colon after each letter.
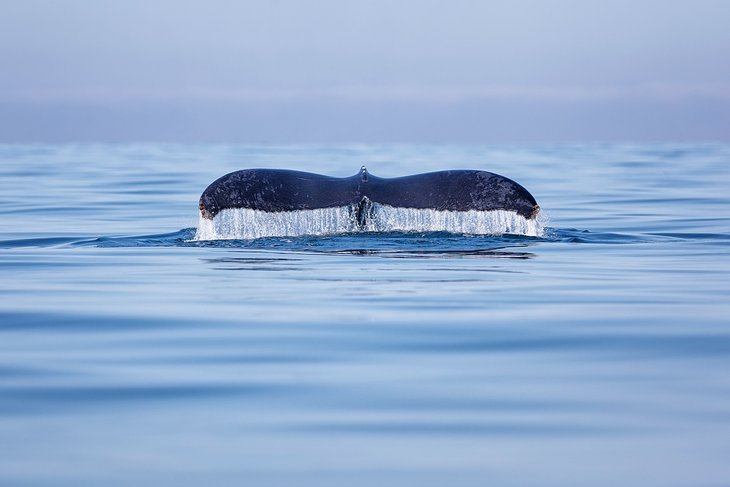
x: 598, y: 354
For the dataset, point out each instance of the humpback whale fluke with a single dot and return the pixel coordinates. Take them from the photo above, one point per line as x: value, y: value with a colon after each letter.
x: 280, y: 190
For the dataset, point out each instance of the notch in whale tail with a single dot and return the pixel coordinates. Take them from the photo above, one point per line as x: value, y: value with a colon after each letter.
x: 279, y: 190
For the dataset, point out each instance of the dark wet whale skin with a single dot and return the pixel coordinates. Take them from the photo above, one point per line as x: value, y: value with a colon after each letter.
x: 284, y: 190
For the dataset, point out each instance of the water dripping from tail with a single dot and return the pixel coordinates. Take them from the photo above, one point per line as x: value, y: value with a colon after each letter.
x: 246, y: 223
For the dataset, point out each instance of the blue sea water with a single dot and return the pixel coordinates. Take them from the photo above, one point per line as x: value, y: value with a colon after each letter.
x: 597, y: 354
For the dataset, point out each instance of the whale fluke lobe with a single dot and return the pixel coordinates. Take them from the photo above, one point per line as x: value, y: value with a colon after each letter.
x: 422, y: 201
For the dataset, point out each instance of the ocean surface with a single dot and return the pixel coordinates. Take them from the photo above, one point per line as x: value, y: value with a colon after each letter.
x: 594, y: 354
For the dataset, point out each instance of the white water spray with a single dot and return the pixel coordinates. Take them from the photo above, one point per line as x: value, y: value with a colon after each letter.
x: 245, y: 223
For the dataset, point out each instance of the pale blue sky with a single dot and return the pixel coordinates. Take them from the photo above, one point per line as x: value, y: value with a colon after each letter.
x: 365, y: 71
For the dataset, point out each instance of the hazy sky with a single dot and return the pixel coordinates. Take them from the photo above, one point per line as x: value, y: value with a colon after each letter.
x: 364, y: 71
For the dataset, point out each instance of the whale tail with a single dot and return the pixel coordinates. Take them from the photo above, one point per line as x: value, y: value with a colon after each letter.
x: 274, y: 190
x: 364, y: 201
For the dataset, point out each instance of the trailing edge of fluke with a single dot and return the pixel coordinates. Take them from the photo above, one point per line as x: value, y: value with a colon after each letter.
x: 274, y: 190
